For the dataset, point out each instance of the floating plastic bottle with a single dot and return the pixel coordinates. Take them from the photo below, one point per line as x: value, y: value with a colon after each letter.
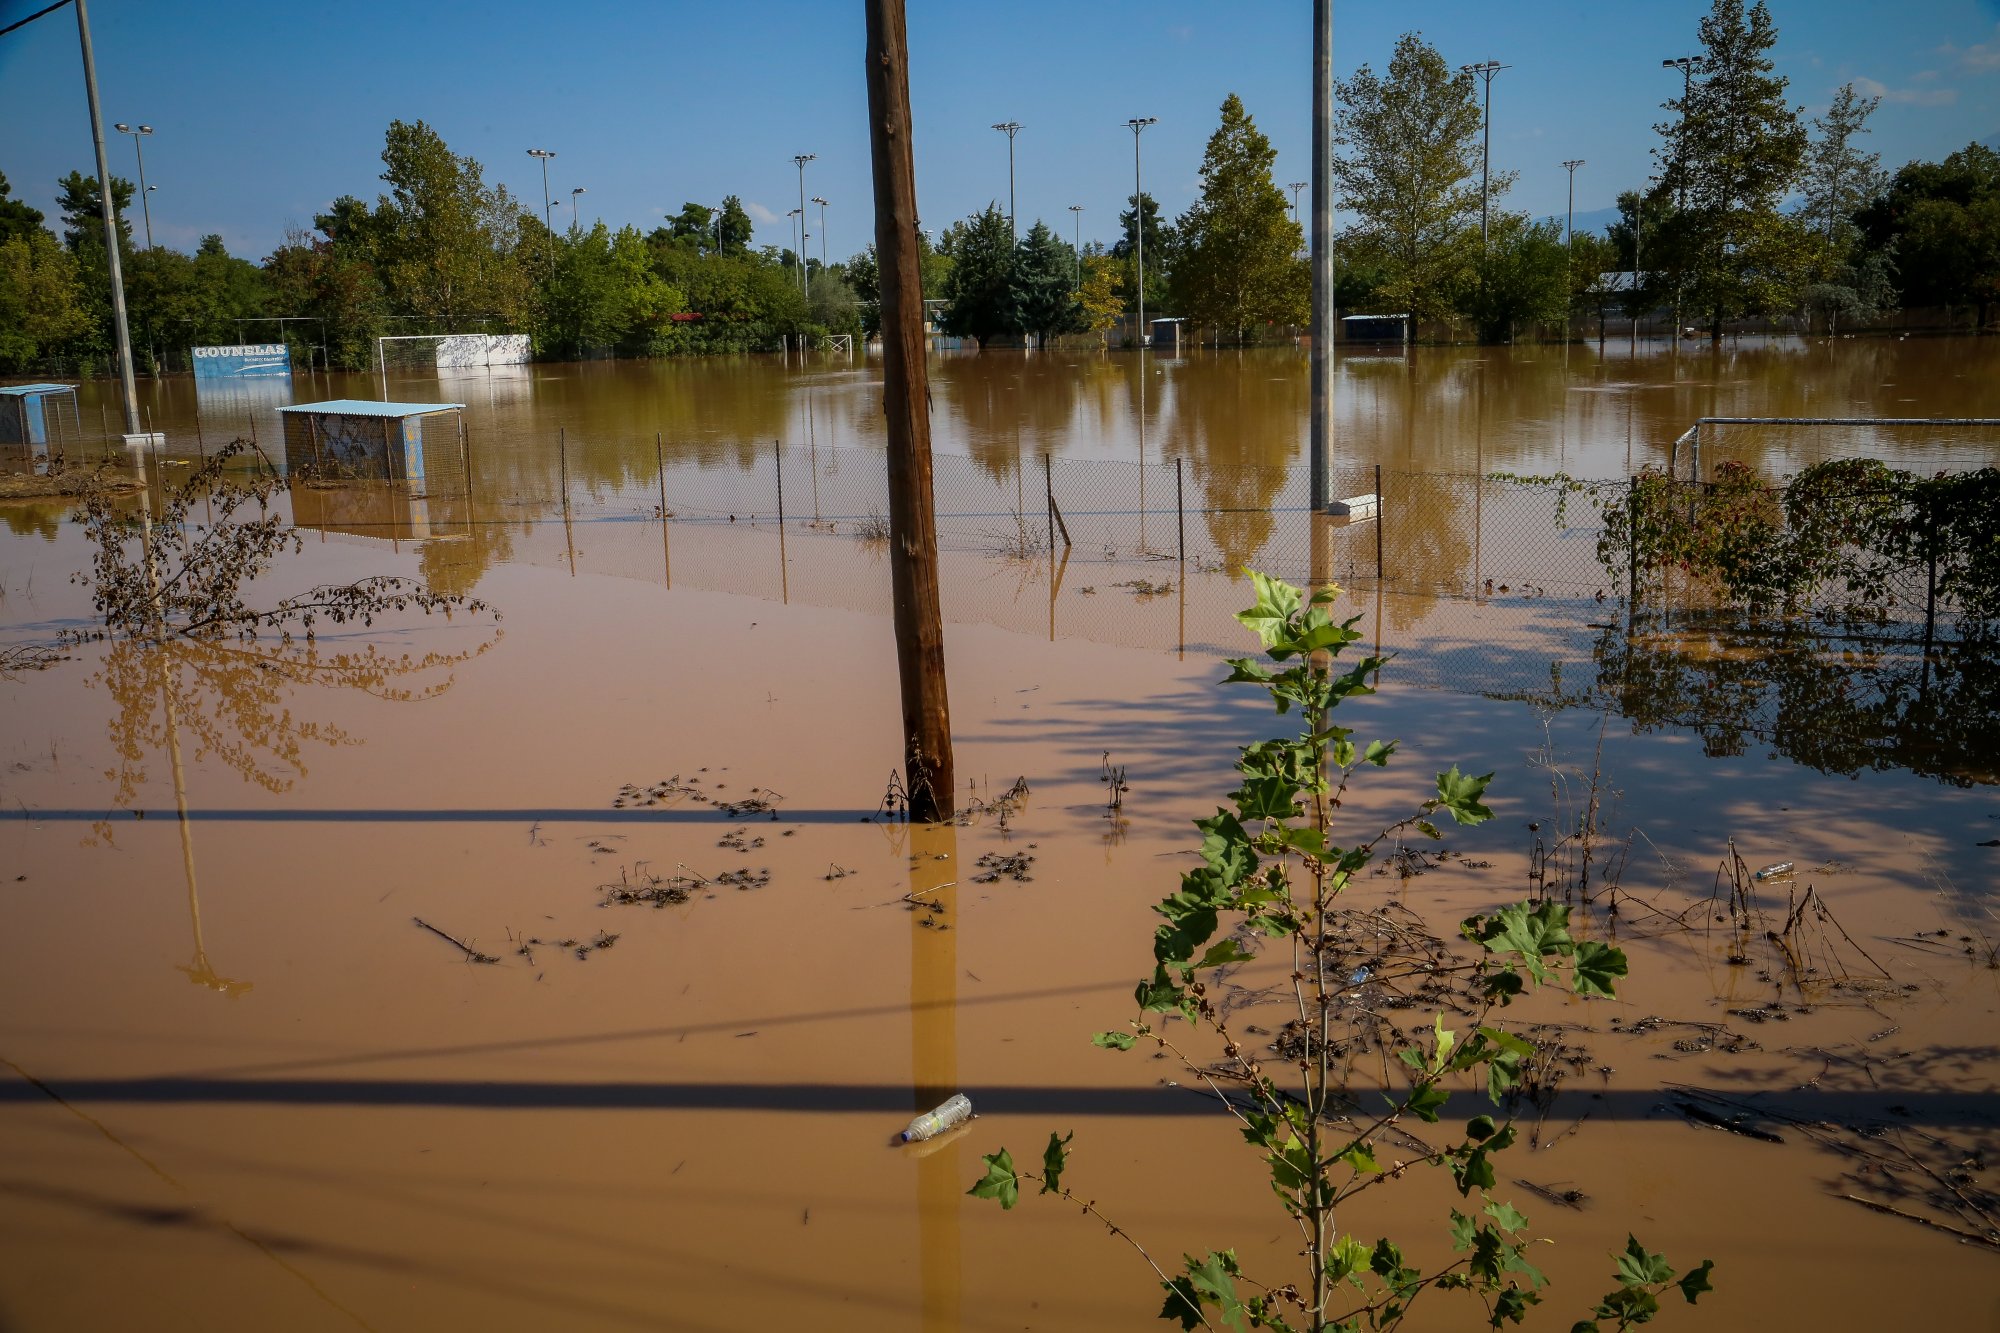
x: 930, y: 1124
x: 1775, y: 869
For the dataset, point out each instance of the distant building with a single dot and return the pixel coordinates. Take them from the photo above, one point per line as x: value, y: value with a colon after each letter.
x: 1375, y: 329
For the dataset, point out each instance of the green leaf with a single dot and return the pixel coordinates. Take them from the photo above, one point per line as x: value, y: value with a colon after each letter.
x: 1225, y: 848
x: 1597, y: 968
x: 1343, y: 754
x: 1159, y: 994
x: 1480, y: 1128
x: 1214, y: 1280
x: 1696, y: 1282
x: 1638, y: 1267
x: 1113, y: 1041
x: 1443, y: 1037
x: 999, y: 1182
x: 1534, y: 933
x: 1463, y: 1229
x: 1277, y: 603
x: 1054, y: 1158
x: 1362, y: 1158
x: 1182, y: 1303
x: 1245, y: 669
x: 1460, y: 795
x: 1506, y: 1216
x: 1266, y: 798
x: 1228, y: 951
x: 1346, y: 1259
x: 1426, y: 1101
x: 1378, y: 752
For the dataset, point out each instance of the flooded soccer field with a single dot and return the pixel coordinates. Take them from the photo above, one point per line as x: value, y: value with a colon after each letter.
x: 256, y: 1077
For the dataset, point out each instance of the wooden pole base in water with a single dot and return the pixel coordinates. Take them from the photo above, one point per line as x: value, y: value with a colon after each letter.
x: 913, y: 567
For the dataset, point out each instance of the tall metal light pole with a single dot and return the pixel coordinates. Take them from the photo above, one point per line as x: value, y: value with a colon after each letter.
x: 1485, y: 69
x: 138, y: 133
x: 1569, y: 228
x: 548, y: 209
x: 572, y: 206
x: 1138, y: 126
x: 1320, y: 422
x: 115, y: 264
x: 1295, y: 187
x: 1010, y: 128
x: 1076, y: 216
x: 1687, y: 65
x: 800, y: 160
x: 822, y: 231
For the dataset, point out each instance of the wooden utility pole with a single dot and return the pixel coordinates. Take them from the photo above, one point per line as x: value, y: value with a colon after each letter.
x: 913, y: 567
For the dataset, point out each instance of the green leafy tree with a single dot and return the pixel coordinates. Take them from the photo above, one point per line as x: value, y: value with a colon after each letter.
x: 1237, y: 263
x: 41, y: 299
x: 1941, y: 221
x: 329, y: 278
x: 1591, y: 259
x: 1523, y: 279
x: 445, y: 240
x: 1410, y: 173
x: 1271, y: 878
x: 77, y: 199
x: 979, y: 296
x: 1101, y: 305
x: 1840, y: 179
x: 831, y: 303
x: 1042, y: 286
x: 1731, y: 155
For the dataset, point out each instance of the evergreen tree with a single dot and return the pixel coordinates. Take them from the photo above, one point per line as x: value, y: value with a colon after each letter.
x: 1840, y: 179
x: 736, y: 227
x: 1411, y: 174
x: 1237, y: 261
x: 1042, y: 287
x: 17, y: 219
x: 1733, y: 153
x: 979, y: 296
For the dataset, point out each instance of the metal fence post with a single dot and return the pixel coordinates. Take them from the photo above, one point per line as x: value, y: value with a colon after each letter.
x: 1381, y: 511
x: 778, y: 452
x: 1180, y: 510
x: 1049, y: 503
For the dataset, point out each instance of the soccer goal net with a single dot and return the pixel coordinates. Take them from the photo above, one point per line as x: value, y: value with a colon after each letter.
x: 450, y: 351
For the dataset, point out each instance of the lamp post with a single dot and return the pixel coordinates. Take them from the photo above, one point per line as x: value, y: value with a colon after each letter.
x: 1010, y: 128
x: 1076, y: 216
x: 1569, y: 227
x: 572, y: 206
x: 800, y: 160
x: 1138, y: 126
x: 822, y: 231
x: 1485, y: 69
x: 138, y: 133
x: 548, y: 209
x: 798, y: 246
x: 1295, y: 187
x: 112, y: 261
x: 1687, y: 65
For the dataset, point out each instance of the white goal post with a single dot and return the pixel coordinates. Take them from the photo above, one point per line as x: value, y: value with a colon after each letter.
x: 452, y: 351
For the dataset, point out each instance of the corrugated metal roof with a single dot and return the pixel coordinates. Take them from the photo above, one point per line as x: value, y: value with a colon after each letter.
x: 34, y: 390
x: 363, y: 407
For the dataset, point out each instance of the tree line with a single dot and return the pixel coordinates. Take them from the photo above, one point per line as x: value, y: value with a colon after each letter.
x: 1755, y: 211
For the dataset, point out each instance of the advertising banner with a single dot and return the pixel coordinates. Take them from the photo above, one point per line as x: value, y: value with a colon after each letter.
x: 243, y: 361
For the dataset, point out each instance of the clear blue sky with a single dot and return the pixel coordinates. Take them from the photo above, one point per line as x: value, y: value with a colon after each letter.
x: 264, y: 112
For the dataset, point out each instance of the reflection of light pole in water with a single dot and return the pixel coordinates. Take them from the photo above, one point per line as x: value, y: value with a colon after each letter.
x: 934, y: 1064
x: 198, y: 970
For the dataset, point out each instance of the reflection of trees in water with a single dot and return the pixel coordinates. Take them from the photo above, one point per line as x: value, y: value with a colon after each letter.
x: 1239, y: 428
x: 1832, y: 705
x: 234, y: 700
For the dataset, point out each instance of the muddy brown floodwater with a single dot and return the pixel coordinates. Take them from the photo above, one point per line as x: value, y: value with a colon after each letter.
x: 244, y: 1088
